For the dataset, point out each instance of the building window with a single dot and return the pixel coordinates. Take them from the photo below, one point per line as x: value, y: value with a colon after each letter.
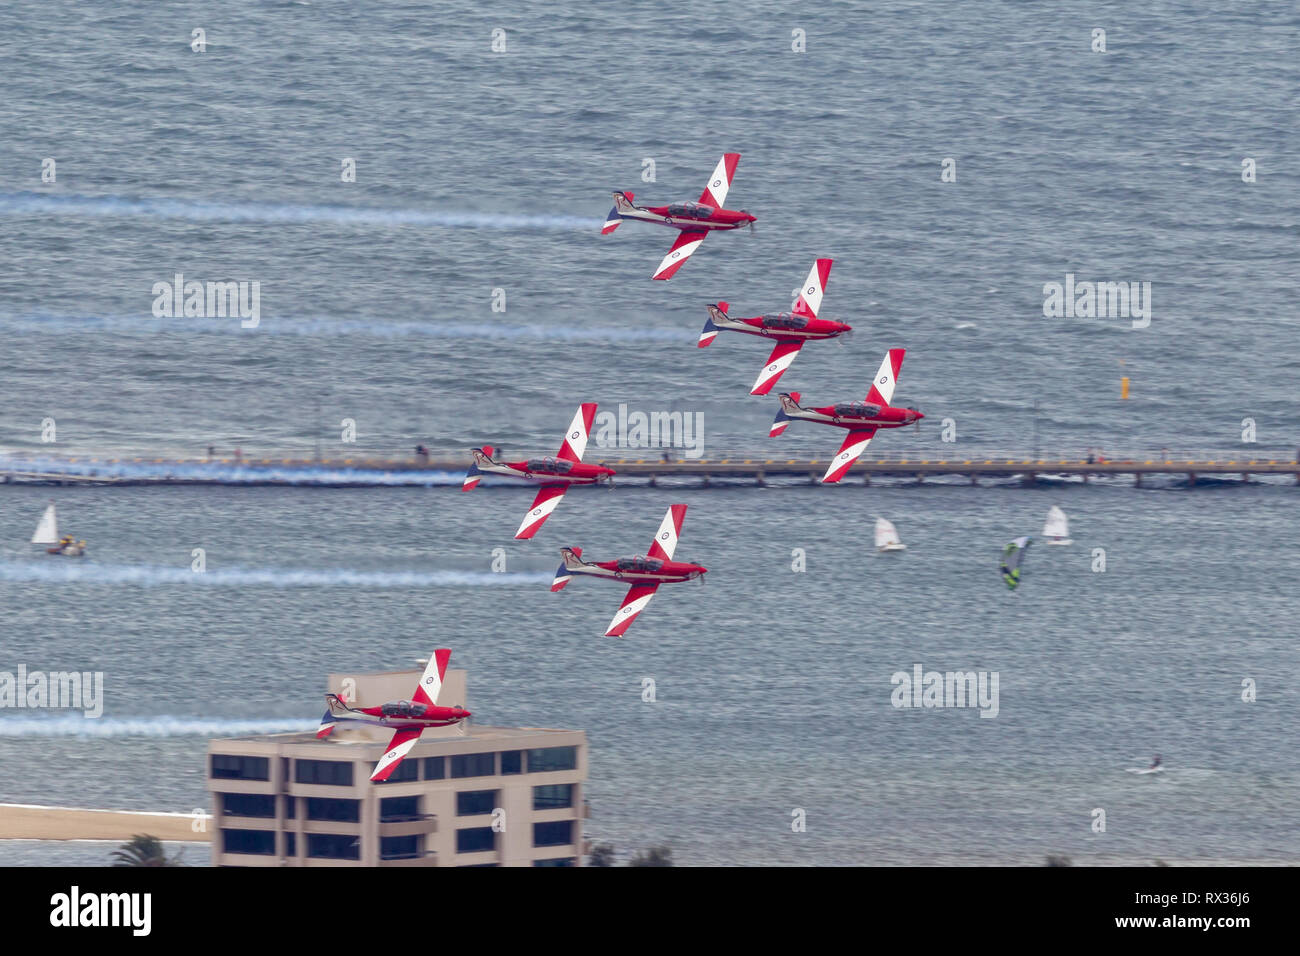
x: 290, y: 807
x: 235, y: 767
x: 512, y: 761
x: 562, y: 861
x: 398, y: 809
x: 291, y: 844
x: 552, y: 758
x: 473, y: 802
x: 474, y: 765
x: 341, y: 811
x: 336, y: 773
x: 333, y: 846
x: 475, y: 840
x: 247, y: 805
x: 399, y: 848
x: 406, y: 771
x: 248, y: 841
x: 553, y: 797
x: 559, y: 833
x: 435, y: 768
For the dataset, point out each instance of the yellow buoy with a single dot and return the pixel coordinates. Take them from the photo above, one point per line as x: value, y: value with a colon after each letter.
x: 1123, y: 387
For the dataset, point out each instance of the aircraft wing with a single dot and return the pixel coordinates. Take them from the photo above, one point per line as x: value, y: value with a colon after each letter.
x: 665, y: 543
x: 686, y: 243
x: 638, y: 596
x: 777, y: 363
x: 398, y: 748
x: 814, y: 287
x: 575, y: 441
x: 715, y: 193
x: 882, y: 386
x: 547, y: 498
x: 430, y: 686
x: 855, y: 443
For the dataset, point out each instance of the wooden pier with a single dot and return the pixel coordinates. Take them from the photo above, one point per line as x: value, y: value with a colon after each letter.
x: 426, y: 472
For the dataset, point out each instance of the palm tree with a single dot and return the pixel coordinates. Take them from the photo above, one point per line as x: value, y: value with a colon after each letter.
x: 602, y: 854
x: 144, y: 850
x: 655, y: 856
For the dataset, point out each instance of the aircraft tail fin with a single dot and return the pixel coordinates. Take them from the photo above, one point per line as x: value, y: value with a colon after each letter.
x: 328, y: 722
x: 482, y: 458
x: 622, y: 204
x: 789, y: 403
x: 564, y: 573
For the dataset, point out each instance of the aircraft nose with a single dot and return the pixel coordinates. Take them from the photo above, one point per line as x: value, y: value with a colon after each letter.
x: 917, y: 416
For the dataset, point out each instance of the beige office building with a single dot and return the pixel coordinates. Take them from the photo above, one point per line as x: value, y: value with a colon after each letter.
x: 464, y: 795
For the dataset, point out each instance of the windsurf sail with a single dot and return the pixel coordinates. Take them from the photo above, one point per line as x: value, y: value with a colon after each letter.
x: 1012, y: 555
x: 887, y: 536
x: 1057, y: 525
x: 47, y: 531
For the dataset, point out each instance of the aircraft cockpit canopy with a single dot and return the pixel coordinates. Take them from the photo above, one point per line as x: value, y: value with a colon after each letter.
x: 639, y: 564
x: 785, y: 320
x: 403, y: 708
x: 556, y: 466
x: 856, y: 410
x: 690, y: 210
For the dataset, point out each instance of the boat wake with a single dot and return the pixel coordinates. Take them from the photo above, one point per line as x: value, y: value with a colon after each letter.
x: 55, y: 204
x: 74, y: 725
x: 87, y: 572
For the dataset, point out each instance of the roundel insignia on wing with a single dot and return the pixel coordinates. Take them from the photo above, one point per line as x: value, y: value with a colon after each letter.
x: 717, y: 182
x: 391, y: 753
x: 537, y: 511
x: 664, y: 536
x: 772, y: 367
x: 845, y: 455
x: 429, y: 679
x: 884, y: 379
x: 575, y: 434
x: 676, y: 254
x: 812, y: 289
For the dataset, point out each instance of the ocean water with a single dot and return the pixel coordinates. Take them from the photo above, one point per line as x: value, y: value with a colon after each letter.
x: 479, y: 171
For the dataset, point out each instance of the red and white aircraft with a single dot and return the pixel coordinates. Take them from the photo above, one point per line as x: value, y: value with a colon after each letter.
x: 860, y: 418
x: 645, y: 572
x: 790, y: 330
x: 695, y: 219
x: 556, y: 474
x: 409, y: 718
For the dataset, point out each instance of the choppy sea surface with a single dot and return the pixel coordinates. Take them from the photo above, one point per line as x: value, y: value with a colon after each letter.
x: 483, y: 178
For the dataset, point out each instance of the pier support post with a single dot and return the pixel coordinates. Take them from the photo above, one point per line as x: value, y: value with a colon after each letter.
x: 654, y: 482
x: 1137, y: 479
x: 759, y: 479
x: 866, y: 481
x: 812, y: 477
x: 920, y: 478
x: 1191, y: 478
x: 706, y: 481
x: 974, y: 480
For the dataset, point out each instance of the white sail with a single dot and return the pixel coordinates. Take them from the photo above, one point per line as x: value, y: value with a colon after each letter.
x: 47, y: 531
x: 887, y: 536
x: 1057, y: 526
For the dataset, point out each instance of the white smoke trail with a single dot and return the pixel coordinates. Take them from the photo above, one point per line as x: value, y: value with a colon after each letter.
x: 87, y: 572
x: 74, y: 725
x: 49, y: 204
x: 227, y: 473
x: 322, y: 327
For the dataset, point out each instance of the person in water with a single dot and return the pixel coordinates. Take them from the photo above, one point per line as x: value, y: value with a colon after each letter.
x: 1155, y: 763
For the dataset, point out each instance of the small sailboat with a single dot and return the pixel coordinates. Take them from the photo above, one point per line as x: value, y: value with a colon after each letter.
x: 887, y: 537
x: 47, y: 532
x: 1057, y: 528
